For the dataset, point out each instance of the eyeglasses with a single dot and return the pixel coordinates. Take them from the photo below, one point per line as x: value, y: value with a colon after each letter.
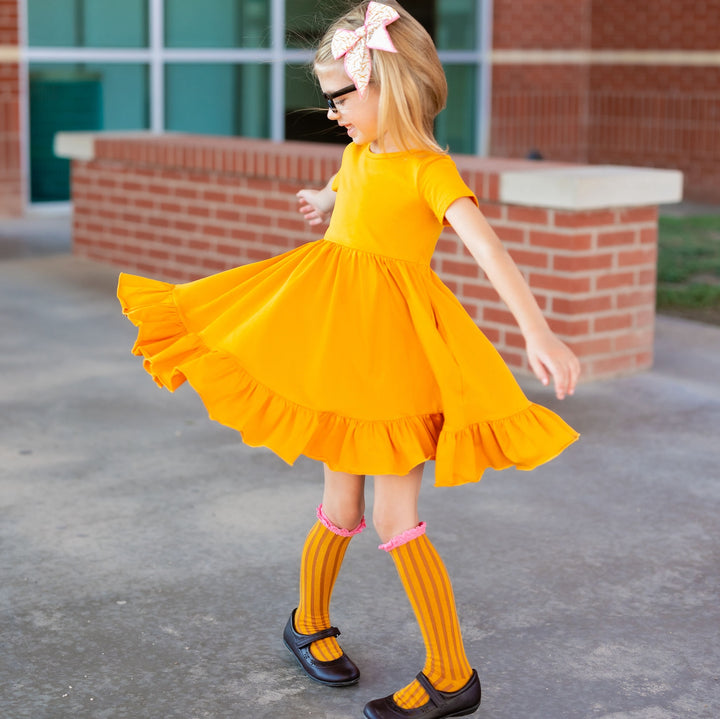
x: 330, y: 96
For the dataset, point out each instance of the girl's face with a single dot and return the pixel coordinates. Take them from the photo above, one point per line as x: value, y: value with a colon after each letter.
x: 358, y: 115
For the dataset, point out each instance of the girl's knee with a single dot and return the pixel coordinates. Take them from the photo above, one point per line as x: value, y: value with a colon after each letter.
x: 389, y: 524
x: 345, y: 513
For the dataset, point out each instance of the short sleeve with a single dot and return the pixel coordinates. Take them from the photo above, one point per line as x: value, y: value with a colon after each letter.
x: 440, y: 185
x: 336, y: 180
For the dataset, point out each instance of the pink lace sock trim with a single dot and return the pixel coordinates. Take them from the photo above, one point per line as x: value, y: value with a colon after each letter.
x: 404, y: 537
x: 338, y: 530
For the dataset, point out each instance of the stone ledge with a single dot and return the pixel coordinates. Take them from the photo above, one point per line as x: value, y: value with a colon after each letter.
x: 513, y: 181
x: 590, y: 187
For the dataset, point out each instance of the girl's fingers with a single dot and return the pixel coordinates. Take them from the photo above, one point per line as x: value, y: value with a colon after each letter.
x: 538, y: 368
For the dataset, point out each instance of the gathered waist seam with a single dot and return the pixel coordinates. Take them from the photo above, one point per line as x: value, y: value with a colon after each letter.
x: 379, y: 255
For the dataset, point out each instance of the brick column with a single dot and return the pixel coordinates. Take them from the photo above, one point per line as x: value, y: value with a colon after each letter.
x: 11, y: 183
x: 180, y: 207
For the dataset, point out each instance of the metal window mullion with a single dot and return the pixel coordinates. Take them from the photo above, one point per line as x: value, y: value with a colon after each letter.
x: 24, y: 104
x: 277, y: 71
x: 484, y: 78
x: 157, y: 66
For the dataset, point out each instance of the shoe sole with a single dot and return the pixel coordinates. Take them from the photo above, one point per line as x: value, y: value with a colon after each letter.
x: 315, y: 679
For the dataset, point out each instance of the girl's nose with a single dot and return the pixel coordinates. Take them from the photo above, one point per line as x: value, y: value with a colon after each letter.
x: 332, y: 114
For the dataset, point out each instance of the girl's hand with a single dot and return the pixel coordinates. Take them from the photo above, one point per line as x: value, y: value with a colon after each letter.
x: 549, y: 356
x: 316, y: 205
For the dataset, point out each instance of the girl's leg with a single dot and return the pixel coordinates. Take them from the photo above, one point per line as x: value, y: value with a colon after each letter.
x: 340, y: 516
x: 427, y: 584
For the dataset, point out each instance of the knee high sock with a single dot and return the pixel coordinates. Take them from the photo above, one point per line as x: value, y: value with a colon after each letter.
x: 429, y: 590
x: 322, y: 556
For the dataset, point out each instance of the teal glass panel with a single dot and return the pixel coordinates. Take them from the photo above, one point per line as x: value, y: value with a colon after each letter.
x: 455, y: 127
x: 456, y: 24
x: 217, y: 23
x: 305, y: 118
x: 307, y: 20
x: 79, y: 97
x: 218, y: 99
x: 88, y: 23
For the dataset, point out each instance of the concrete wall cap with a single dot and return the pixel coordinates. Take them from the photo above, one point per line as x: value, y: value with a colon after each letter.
x: 81, y: 145
x: 590, y: 187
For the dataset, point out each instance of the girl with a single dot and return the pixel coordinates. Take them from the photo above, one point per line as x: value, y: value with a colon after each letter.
x: 351, y: 351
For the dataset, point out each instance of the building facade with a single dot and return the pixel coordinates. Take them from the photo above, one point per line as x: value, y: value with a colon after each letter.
x: 571, y: 80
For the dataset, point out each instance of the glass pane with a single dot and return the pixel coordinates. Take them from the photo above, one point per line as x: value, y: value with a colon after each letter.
x: 307, y: 20
x: 79, y: 23
x: 305, y: 118
x: 217, y: 23
x: 79, y: 97
x: 455, y: 126
x: 455, y: 24
x: 218, y: 99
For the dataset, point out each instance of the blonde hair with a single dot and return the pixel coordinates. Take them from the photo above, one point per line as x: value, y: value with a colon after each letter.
x: 412, y: 84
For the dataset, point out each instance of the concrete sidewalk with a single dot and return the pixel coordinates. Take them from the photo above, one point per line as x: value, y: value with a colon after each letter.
x: 149, y: 559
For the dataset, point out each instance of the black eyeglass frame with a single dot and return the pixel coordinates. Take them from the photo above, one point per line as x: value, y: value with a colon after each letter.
x: 330, y: 96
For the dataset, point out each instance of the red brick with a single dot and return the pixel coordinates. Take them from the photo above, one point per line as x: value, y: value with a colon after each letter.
x: 498, y: 316
x: 581, y: 306
x: 569, y: 328
x: 447, y: 245
x: 229, y: 215
x: 559, y: 241
x: 480, y: 292
x: 582, y: 263
x: 617, y: 238
x: 560, y: 284
x: 648, y: 235
x: 637, y: 257
x: 532, y: 215
x: 638, y: 214
x: 591, y: 347
x: 510, y: 234
x: 614, y: 280
x: 528, y: 258
x: 637, y: 298
x: 589, y: 218
x: 464, y: 269
x: 611, y: 323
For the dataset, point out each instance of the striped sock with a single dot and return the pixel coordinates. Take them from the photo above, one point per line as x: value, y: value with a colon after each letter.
x: 429, y: 590
x: 322, y: 557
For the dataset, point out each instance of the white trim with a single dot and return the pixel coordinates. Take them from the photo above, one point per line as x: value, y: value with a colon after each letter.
x: 605, y: 57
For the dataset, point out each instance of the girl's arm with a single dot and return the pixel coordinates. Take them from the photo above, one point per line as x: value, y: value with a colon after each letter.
x: 546, y: 353
x: 317, y: 205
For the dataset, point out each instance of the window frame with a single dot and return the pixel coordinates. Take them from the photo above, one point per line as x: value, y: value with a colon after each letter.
x: 156, y: 56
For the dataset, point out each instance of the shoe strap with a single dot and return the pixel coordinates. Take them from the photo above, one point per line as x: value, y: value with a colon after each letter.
x: 304, y: 640
x: 435, y: 697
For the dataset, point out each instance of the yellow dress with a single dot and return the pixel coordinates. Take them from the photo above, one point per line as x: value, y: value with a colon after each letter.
x: 350, y: 349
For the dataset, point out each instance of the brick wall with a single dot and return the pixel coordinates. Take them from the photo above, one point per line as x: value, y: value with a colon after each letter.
x: 635, y: 120
x: 586, y: 110
x: 11, y: 190
x: 534, y: 24
x: 540, y: 107
x: 182, y: 207
x: 660, y: 24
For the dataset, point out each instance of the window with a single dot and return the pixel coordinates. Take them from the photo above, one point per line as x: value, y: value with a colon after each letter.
x: 230, y: 67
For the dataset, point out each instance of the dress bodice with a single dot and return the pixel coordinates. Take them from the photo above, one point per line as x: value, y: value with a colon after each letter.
x: 393, y: 204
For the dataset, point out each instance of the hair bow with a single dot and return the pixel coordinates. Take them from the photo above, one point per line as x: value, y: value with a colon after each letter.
x: 355, y: 44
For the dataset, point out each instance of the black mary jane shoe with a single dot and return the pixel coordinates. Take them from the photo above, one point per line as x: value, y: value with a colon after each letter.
x: 442, y: 704
x: 340, y: 672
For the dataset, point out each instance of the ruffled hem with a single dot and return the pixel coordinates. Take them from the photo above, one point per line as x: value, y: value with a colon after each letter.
x: 232, y: 397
